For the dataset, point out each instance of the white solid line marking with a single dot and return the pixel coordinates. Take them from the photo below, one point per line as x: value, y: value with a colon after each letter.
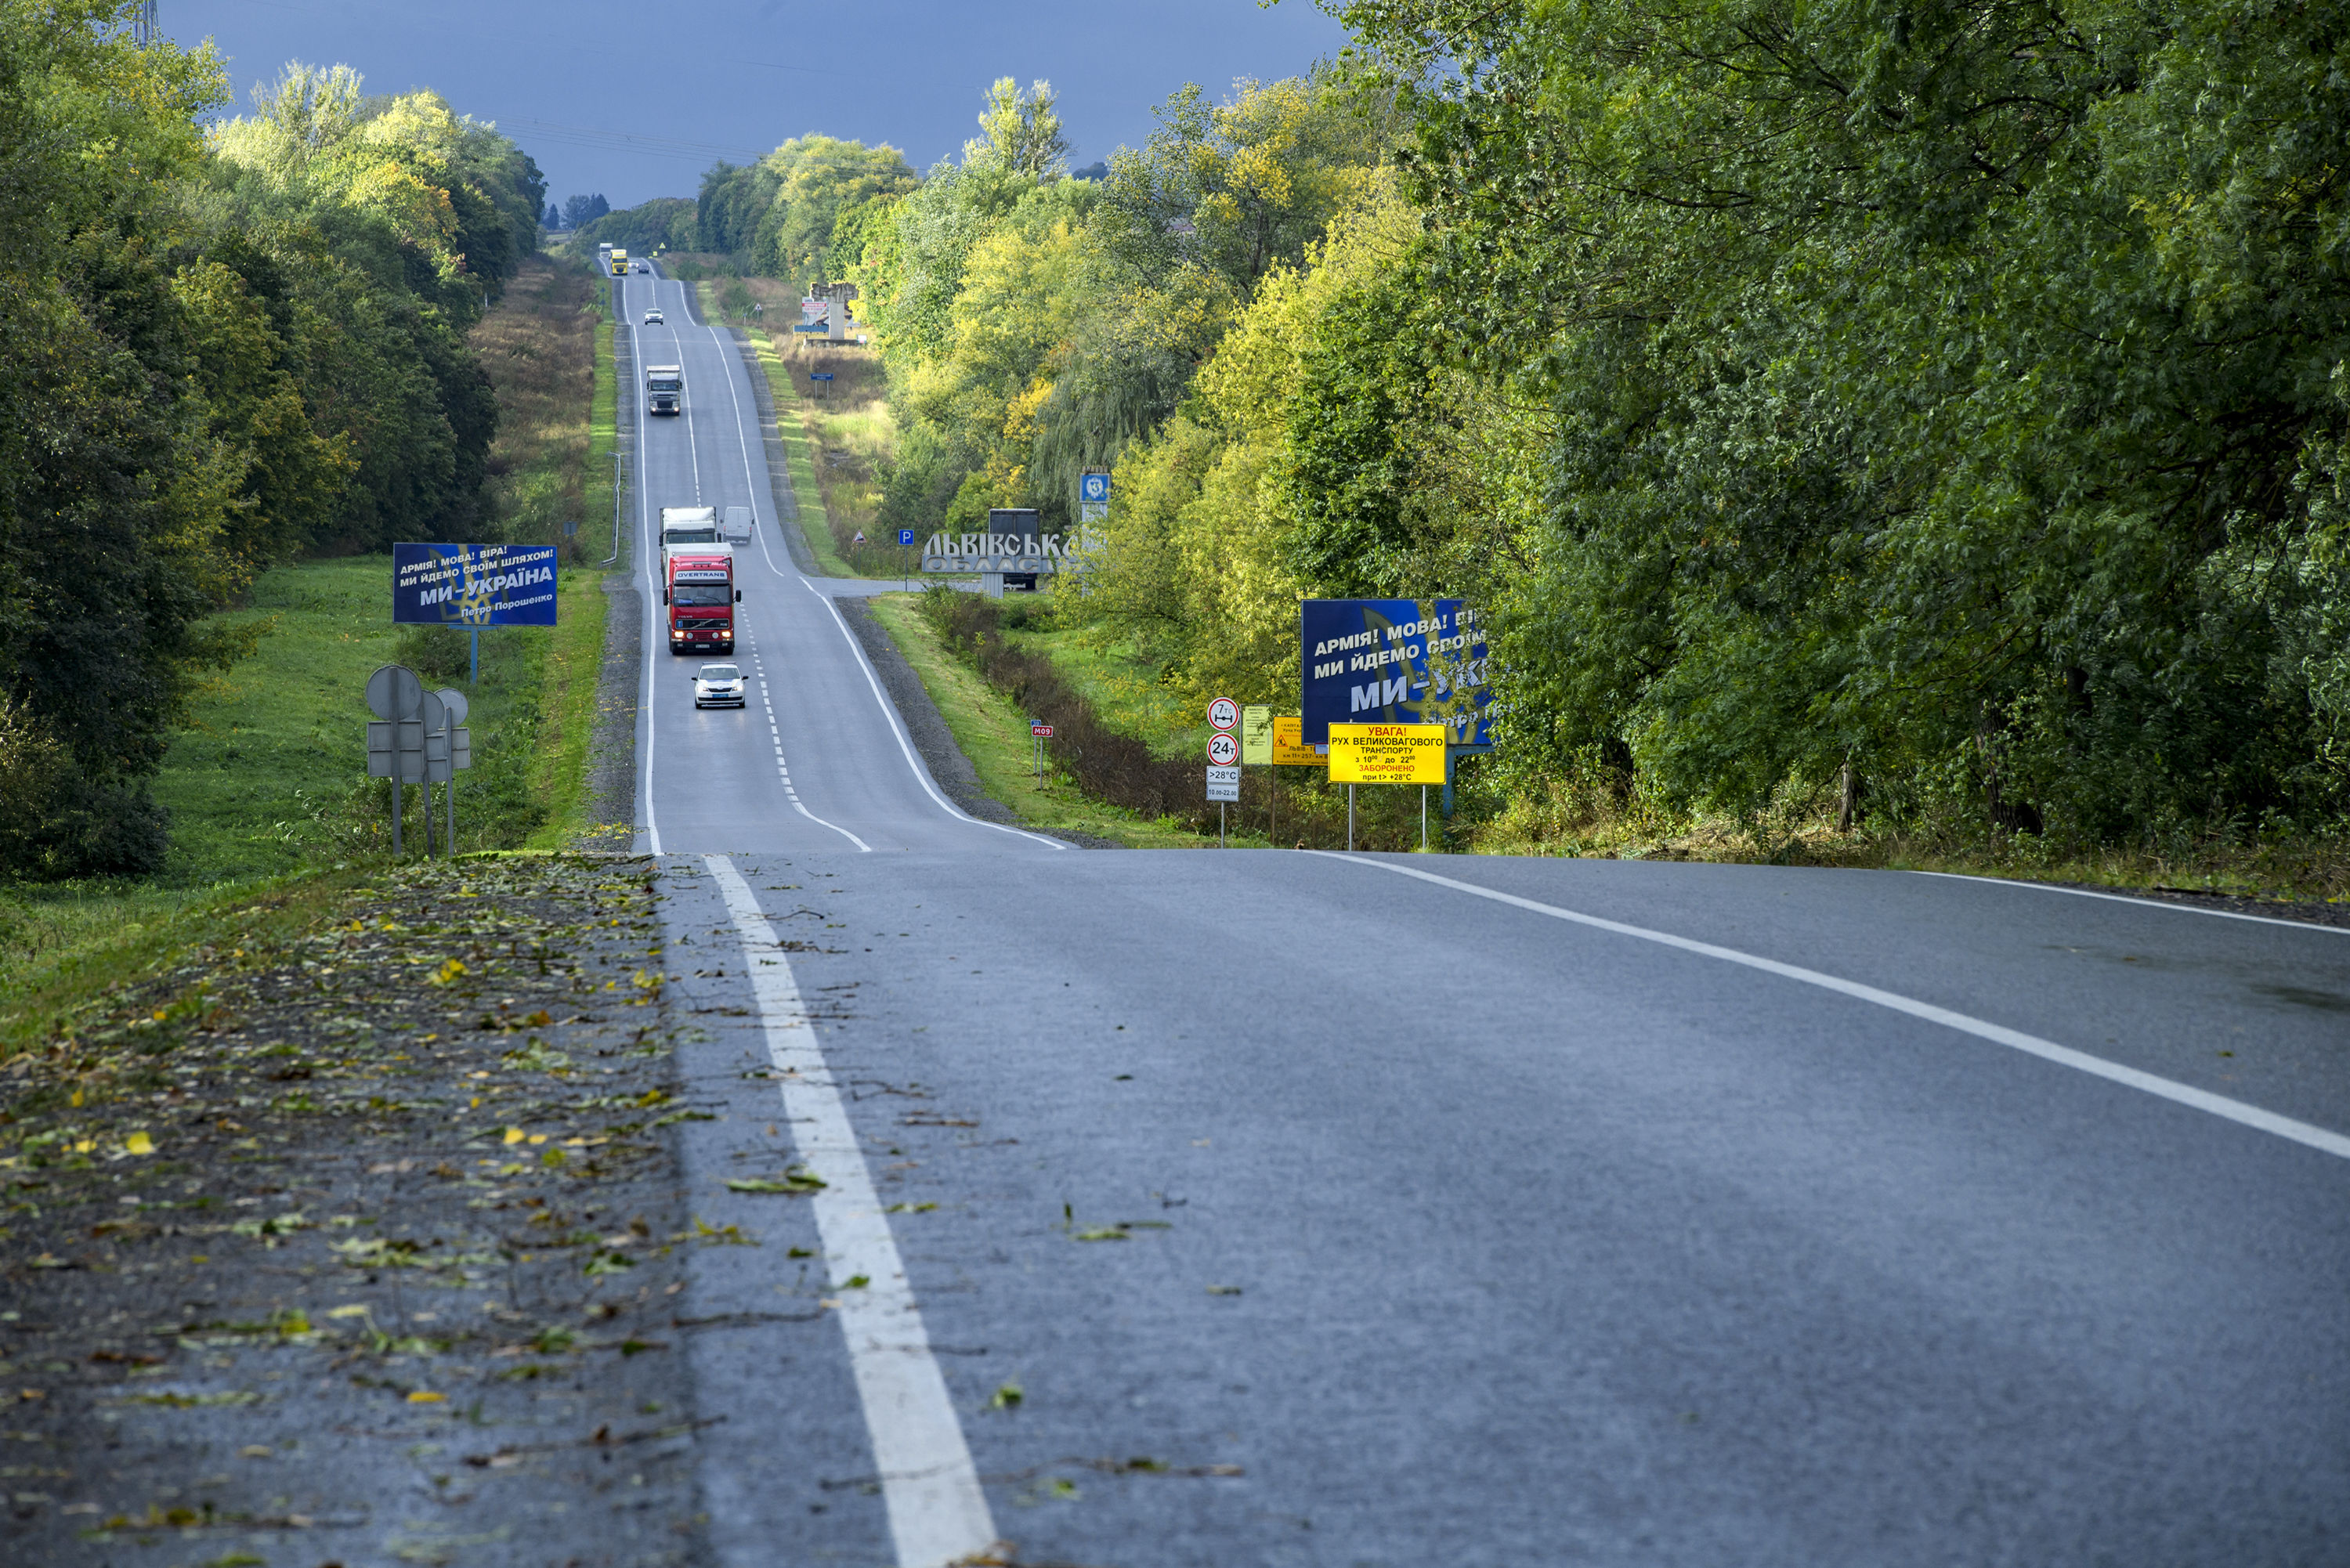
x: 2250, y: 1115
x: 637, y: 362
x: 938, y: 1515
x: 2141, y: 903
x: 889, y: 717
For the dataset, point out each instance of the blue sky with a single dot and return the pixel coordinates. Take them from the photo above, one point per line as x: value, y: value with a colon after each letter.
x: 636, y: 100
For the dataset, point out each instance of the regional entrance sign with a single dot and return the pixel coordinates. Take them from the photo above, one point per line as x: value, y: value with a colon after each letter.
x: 1013, y: 543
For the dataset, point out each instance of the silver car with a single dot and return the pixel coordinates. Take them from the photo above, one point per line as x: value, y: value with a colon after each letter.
x: 652, y: 318
x: 719, y: 686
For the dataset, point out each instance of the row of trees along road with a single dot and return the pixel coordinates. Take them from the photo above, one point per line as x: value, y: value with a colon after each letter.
x: 1947, y: 401
x: 224, y: 346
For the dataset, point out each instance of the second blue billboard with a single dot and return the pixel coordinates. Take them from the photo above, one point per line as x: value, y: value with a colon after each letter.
x: 1391, y: 661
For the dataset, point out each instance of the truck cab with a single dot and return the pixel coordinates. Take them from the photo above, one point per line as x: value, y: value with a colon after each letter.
x: 664, y: 389
x: 701, y: 595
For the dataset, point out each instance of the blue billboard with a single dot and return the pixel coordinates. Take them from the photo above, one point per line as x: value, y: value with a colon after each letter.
x: 473, y: 585
x: 1391, y: 661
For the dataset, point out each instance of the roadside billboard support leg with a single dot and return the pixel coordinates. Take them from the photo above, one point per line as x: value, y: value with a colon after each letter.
x: 475, y: 679
x: 1350, y: 819
x: 1423, y: 819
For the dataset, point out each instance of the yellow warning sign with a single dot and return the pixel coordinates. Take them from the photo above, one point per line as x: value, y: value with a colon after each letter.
x: 1288, y: 750
x: 1387, y: 754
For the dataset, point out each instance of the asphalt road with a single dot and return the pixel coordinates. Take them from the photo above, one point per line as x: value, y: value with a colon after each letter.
x: 1200, y: 1208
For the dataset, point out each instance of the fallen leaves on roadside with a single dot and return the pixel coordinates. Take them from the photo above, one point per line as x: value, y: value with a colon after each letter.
x: 797, y: 1179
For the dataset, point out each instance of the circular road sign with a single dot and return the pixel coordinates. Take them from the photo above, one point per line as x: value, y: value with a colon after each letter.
x: 1222, y: 750
x: 1223, y: 713
x: 454, y: 700
x: 394, y: 692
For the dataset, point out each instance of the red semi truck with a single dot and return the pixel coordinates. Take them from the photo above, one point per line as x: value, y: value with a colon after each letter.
x: 700, y: 597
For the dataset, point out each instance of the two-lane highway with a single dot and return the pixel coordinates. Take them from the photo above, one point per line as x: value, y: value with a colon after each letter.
x: 818, y: 756
x: 1245, y: 1208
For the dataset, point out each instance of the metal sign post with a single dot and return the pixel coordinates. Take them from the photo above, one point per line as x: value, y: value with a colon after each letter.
x: 460, y: 752
x: 1038, y: 734
x: 393, y: 694
x: 1223, y: 759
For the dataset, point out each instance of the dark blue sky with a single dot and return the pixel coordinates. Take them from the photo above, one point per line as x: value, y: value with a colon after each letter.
x: 636, y: 100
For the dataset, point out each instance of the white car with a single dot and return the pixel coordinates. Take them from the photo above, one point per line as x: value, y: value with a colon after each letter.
x: 719, y: 686
x: 652, y: 318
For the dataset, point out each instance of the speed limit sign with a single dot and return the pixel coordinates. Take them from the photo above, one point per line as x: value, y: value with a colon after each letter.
x: 1223, y: 749
x: 1223, y: 713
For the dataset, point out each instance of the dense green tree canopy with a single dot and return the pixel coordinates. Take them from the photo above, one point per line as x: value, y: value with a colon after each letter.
x: 223, y: 349
x: 1952, y: 391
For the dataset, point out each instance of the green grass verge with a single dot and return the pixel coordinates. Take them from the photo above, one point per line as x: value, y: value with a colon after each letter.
x: 275, y: 744
x: 993, y: 734
x: 799, y: 462
x: 148, y: 932
x: 267, y: 785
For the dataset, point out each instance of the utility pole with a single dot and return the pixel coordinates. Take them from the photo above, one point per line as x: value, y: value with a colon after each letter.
x: 142, y: 25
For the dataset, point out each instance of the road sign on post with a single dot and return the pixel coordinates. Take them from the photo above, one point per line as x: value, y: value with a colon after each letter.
x: 396, y: 741
x: 1256, y: 736
x: 1223, y: 751
x: 1039, y: 732
x: 1289, y: 751
x: 1224, y: 784
x: 1223, y: 713
x: 1386, y: 753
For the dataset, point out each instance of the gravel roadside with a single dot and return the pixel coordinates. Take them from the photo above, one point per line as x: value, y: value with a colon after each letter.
x: 362, y: 1246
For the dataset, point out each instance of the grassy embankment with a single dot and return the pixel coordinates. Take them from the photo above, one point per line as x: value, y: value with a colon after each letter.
x: 267, y: 785
x: 835, y: 433
x: 992, y: 731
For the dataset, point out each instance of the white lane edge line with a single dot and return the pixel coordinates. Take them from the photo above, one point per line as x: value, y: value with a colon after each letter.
x: 636, y: 362
x: 2286, y: 1127
x: 906, y: 746
x: 2138, y: 903
x: 938, y: 1514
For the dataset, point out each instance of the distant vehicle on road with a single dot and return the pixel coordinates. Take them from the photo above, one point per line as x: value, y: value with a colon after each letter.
x: 653, y: 317
x: 719, y: 686
x: 700, y: 595
x: 664, y: 389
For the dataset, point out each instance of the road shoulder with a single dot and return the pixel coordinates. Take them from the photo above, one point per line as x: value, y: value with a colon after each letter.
x: 361, y: 1241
